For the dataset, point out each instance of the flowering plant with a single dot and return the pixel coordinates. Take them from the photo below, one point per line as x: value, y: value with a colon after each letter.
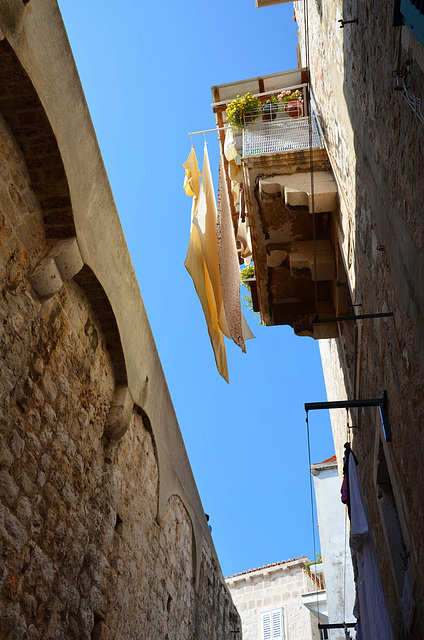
x: 241, y: 107
x: 291, y: 103
x: 286, y: 96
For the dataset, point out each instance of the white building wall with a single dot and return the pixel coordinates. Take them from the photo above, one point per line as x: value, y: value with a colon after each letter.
x: 271, y: 588
x: 334, y: 538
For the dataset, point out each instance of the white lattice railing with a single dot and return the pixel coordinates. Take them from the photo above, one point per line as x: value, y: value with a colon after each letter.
x: 281, y: 134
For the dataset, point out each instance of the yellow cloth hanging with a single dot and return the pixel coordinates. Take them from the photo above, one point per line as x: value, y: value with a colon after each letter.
x: 192, y: 175
x: 202, y: 260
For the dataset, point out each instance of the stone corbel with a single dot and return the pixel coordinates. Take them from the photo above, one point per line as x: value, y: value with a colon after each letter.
x: 302, y: 256
x: 62, y: 262
x: 120, y: 414
x: 297, y: 190
x: 275, y: 255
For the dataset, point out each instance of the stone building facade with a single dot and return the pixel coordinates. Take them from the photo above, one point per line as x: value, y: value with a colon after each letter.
x: 102, y: 532
x: 362, y: 77
x: 334, y: 544
x: 269, y: 601
x: 337, y: 233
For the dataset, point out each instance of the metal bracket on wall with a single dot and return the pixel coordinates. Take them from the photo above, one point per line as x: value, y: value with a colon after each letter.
x: 324, y: 628
x: 361, y: 316
x: 343, y: 22
x: 381, y: 403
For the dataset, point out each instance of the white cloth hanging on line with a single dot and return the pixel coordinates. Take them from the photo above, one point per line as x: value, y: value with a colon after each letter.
x: 372, y: 610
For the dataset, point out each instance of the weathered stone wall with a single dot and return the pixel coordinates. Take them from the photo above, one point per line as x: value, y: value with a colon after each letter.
x: 376, y: 146
x: 85, y: 551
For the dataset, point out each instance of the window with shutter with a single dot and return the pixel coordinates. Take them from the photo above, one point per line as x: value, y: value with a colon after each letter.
x: 266, y: 626
x: 277, y: 627
x: 272, y: 625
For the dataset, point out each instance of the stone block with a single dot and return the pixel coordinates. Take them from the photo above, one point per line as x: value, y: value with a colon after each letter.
x: 8, y: 487
x: 275, y: 257
x: 302, y: 256
x: 297, y: 190
x: 62, y: 261
x: 11, y: 529
x: 68, y: 258
x: 46, y: 279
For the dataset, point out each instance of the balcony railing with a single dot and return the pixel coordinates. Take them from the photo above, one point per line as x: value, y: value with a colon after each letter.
x: 313, y: 580
x: 278, y: 132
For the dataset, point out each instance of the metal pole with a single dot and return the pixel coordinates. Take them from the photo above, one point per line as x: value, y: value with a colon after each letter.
x: 337, y: 626
x: 342, y: 404
x: 362, y: 316
x: 195, y: 133
x: 381, y: 403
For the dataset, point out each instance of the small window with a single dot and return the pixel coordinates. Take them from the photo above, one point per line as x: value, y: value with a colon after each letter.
x: 272, y: 625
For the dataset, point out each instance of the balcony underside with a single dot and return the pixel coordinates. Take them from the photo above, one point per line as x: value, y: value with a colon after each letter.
x: 296, y: 276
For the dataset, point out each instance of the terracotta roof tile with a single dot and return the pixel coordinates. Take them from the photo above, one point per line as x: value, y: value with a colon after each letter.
x: 267, y: 566
x: 332, y: 459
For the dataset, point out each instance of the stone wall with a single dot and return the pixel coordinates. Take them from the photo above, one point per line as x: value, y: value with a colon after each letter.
x: 376, y: 147
x: 274, y: 587
x: 100, y: 538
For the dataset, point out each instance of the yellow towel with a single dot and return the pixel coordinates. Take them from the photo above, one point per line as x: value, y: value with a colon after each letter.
x: 192, y: 175
x: 202, y: 259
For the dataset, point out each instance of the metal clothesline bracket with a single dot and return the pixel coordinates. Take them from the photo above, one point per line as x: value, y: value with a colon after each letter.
x: 324, y: 628
x: 381, y: 403
x: 196, y: 133
x: 361, y: 316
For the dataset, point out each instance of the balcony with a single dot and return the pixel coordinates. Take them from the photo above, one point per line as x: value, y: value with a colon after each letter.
x: 284, y: 134
x: 290, y: 202
x: 314, y: 596
x: 276, y: 131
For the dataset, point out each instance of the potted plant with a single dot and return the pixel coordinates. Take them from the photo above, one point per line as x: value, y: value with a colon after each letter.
x: 270, y: 108
x: 242, y: 110
x: 292, y: 103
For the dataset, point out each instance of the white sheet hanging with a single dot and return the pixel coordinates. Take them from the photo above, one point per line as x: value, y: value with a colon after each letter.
x: 371, y: 605
x: 229, y: 269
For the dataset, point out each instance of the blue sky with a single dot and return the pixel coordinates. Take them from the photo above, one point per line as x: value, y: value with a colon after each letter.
x: 146, y: 69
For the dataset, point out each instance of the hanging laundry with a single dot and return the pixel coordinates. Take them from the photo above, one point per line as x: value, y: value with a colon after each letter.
x: 202, y: 264
x: 192, y: 175
x: 229, y: 269
x: 243, y: 238
x: 345, y: 496
x: 233, y: 157
x: 370, y: 608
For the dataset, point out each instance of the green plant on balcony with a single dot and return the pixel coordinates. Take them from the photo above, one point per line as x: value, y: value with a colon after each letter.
x: 242, y: 110
x: 247, y: 276
x: 270, y: 109
x: 308, y: 565
x: 291, y: 102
